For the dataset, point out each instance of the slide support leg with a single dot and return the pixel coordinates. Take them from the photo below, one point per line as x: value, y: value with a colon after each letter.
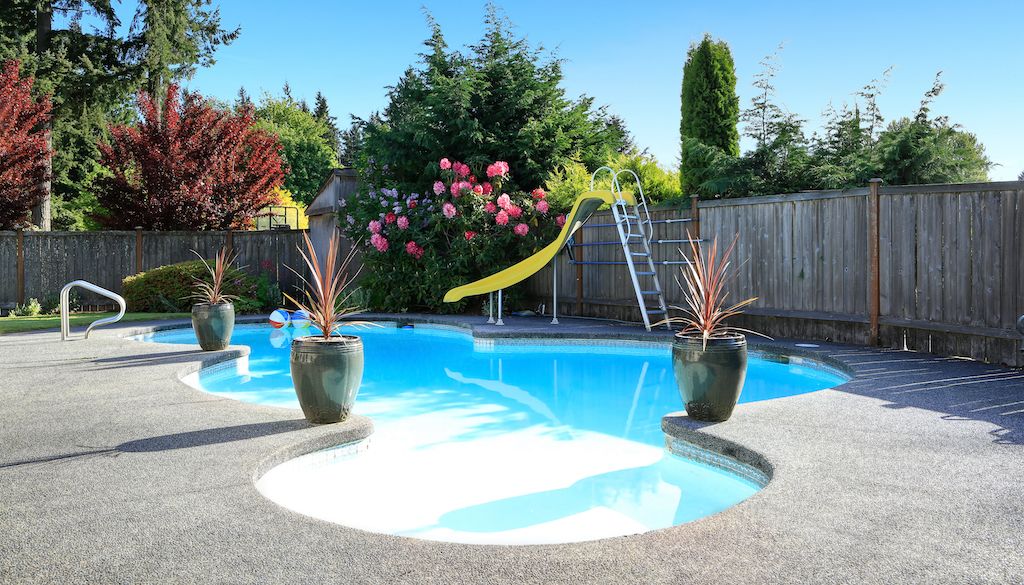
x: 500, y: 322
x: 490, y: 308
x: 554, y: 290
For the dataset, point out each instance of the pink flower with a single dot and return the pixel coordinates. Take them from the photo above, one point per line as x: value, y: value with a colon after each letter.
x: 379, y: 242
x: 501, y: 218
x: 448, y: 209
x: 521, y: 229
x: 479, y: 190
x: 560, y: 220
x: 515, y: 211
x: 461, y: 169
x: 488, y: 189
x: 497, y: 169
x: 413, y: 249
x: 490, y: 207
x: 472, y: 179
x: 504, y: 201
x: 542, y: 206
x: 390, y: 218
x: 374, y: 227
x: 470, y: 235
x: 445, y: 164
x: 538, y: 193
x: 403, y: 222
x: 455, y: 189
x: 438, y: 187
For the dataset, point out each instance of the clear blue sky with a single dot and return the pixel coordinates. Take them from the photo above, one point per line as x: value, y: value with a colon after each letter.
x: 629, y: 55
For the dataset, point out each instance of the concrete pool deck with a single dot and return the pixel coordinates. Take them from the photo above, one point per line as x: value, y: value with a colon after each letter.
x: 113, y: 470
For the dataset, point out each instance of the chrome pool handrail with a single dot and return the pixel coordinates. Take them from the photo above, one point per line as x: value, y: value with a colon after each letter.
x: 65, y: 319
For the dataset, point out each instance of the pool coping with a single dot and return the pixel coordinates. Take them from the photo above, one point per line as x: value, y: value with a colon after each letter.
x: 903, y: 474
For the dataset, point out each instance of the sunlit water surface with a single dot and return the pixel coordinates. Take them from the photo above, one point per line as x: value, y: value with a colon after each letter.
x: 513, y: 444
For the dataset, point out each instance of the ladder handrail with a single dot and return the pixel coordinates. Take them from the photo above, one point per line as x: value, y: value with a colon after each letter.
x: 641, y: 203
x: 65, y: 318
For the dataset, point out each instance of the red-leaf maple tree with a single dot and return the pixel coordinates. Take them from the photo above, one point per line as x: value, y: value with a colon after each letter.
x: 195, y: 167
x: 23, y: 147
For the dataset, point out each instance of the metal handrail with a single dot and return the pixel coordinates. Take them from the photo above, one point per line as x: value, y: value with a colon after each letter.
x: 65, y: 318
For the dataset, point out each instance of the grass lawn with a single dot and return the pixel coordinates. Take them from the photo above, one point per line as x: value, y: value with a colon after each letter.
x: 18, y: 324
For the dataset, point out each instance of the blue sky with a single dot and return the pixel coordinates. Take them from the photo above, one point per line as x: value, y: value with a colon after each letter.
x: 629, y: 55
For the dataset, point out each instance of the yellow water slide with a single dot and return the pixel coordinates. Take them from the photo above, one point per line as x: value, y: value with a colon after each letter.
x: 584, y: 206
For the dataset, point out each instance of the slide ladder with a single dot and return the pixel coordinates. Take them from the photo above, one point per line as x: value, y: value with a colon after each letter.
x: 632, y: 220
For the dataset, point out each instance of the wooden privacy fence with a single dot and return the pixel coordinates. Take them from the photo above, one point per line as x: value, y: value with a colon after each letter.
x: 38, y: 264
x: 936, y: 268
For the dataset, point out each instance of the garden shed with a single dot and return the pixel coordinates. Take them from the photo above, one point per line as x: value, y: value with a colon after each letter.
x: 323, y: 210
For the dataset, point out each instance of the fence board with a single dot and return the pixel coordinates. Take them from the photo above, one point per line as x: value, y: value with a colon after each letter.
x: 951, y: 261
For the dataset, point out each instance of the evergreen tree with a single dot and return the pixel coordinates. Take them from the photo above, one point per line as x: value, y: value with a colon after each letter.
x: 501, y: 100
x: 243, y: 100
x: 322, y: 112
x: 174, y: 37
x: 710, y: 107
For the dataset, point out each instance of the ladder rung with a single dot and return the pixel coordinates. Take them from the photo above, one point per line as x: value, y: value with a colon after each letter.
x: 639, y: 253
x: 655, y: 311
x: 649, y: 292
x: 635, y: 236
x: 628, y: 216
x: 643, y: 273
x: 580, y: 245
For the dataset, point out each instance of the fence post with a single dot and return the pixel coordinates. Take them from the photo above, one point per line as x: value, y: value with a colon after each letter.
x: 874, y: 270
x: 21, y: 267
x: 579, y: 273
x: 695, y: 214
x: 138, y: 250
x: 230, y: 243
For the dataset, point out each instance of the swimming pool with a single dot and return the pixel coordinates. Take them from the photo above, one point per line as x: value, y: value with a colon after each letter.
x: 537, y: 442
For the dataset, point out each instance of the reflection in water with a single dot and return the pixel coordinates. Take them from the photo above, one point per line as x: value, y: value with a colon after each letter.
x: 516, y: 444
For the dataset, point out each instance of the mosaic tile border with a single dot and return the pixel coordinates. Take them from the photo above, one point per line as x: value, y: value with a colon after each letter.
x: 692, y: 452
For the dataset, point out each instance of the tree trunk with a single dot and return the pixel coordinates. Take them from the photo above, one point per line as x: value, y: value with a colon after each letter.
x: 44, y: 24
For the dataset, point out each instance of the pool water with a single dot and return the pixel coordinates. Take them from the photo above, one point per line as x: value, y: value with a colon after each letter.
x: 499, y: 444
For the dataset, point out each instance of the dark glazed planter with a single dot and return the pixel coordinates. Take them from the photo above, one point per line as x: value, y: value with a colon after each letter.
x: 710, y: 380
x: 326, y: 375
x: 213, y: 325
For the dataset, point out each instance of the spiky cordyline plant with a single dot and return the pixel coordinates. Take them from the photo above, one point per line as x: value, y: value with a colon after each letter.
x: 325, y: 297
x: 213, y: 292
x: 705, y: 294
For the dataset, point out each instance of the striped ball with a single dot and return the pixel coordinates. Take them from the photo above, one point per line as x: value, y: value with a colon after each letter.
x: 279, y: 319
x: 300, y: 319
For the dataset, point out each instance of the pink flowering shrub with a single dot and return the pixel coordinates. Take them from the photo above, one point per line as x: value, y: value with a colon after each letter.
x: 462, y: 229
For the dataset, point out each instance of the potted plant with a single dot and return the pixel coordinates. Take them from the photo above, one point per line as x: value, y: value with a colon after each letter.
x: 213, y: 314
x: 709, y: 357
x: 327, y: 368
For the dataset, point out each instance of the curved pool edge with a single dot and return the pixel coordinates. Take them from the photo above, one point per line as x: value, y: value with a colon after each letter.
x: 683, y: 437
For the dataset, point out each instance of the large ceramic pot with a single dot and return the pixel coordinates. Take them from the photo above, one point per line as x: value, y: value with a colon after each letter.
x: 326, y: 374
x: 710, y: 378
x: 213, y: 324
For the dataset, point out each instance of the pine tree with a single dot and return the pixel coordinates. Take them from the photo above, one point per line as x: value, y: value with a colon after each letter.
x: 173, y: 38
x: 243, y: 100
x: 24, y: 147
x: 322, y: 112
x: 192, y: 167
x: 710, y: 107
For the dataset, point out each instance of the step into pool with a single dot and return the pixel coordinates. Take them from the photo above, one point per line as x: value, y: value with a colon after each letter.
x: 530, y: 442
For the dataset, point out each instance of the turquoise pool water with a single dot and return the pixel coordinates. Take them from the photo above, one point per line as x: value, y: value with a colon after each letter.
x: 506, y: 444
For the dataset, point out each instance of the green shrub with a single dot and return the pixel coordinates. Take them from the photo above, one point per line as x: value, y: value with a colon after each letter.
x: 168, y: 289
x: 29, y: 309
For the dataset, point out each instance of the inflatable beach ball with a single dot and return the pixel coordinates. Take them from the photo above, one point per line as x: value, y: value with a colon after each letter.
x: 300, y: 319
x: 279, y: 319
